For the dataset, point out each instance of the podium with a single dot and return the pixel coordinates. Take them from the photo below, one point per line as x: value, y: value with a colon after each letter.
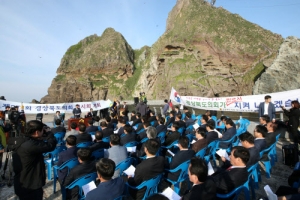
x: 77, y: 121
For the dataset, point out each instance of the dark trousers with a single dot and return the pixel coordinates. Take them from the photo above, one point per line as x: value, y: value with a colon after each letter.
x: 27, y: 194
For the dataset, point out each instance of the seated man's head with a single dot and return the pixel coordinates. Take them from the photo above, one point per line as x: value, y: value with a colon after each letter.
x: 175, y: 126
x: 98, y: 135
x: 144, y: 119
x: 239, y: 156
x: 158, y: 116
x: 229, y: 123
x: 105, y: 169
x: 57, y: 122
x: 71, y: 141
x: 161, y: 120
x: 97, y: 118
x: 128, y: 129
x: 73, y: 125
x: 121, y: 121
x: 114, y: 139
x: 188, y: 115
x: 103, y: 124
x: 200, y: 133
x: 197, y: 171
x: 183, y: 142
x: 260, y: 131
x: 90, y: 122
x: 264, y: 119
x: 108, y: 119
x: 178, y: 117
x: 247, y: 139
x: 84, y: 154
x: 223, y: 119
x: 138, y: 115
x: 204, y: 119
x: 172, y: 113
x: 210, y: 126
x: 151, y: 132
x: 151, y: 147
x: 146, y: 124
x: 133, y: 113
x: 82, y: 127
x: 271, y: 127
x: 57, y: 112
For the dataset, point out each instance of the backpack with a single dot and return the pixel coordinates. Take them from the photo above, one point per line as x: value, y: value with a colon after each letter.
x: 290, y: 154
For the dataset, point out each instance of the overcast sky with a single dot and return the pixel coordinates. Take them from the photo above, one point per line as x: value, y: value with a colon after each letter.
x: 35, y: 34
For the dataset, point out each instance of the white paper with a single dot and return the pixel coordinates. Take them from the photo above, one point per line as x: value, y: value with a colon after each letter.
x: 93, y: 137
x: 134, y: 127
x: 196, y: 125
x: 176, y: 145
x: 89, y: 187
x: 193, y: 141
x: 131, y: 149
x: 170, y: 152
x: 169, y: 129
x: 130, y: 171
x: 170, y: 194
x: 270, y: 193
x: 181, y: 107
x: 130, y: 123
x: 116, y: 131
x: 219, y: 134
x: 223, y: 153
x: 210, y: 169
x: 240, y: 144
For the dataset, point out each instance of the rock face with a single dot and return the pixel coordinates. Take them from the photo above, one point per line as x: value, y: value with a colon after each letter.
x: 283, y: 74
x: 206, y: 51
x: 90, y: 68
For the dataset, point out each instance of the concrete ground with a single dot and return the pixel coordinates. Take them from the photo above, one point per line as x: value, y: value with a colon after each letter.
x: 279, y: 175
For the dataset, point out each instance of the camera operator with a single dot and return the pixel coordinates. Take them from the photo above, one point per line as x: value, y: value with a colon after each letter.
x: 13, y: 122
x: 28, y: 160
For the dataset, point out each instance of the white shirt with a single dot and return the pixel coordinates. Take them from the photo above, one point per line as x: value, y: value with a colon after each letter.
x: 266, y: 107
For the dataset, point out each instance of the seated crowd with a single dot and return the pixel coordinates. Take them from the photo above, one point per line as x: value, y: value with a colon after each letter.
x: 153, y: 154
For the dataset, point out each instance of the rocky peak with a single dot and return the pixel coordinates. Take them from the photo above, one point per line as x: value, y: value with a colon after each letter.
x: 283, y: 74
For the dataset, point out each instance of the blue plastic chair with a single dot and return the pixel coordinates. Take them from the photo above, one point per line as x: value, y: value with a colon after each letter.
x: 69, y: 164
x: 199, y: 117
x: 98, y: 154
x: 191, y: 137
x: 296, y: 184
x: 212, y: 151
x: 193, y: 117
x: 182, y: 116
x: 53, y: 159
x: 201, y: 153
x: 150, y: 185
x: 170, y: 125
x: 229, y: 142
x: 60, y: 137
x: 152, y: 123
x: 140, y: 131
x: 131, y: 144
x: 167, y: 118
x: 183, y: 168
x: 220, y: 127
x: 236, y: 192
x: 123, y: 165
x: 84, y: 144
x: 189, y: 130
x: 253, y: 181
x: 144, y: 140
x: 273, y: 151
x: 162, y: 137
x: 106, y: 139
x: 82, y: 181
x: 136, y: 126
x: 181, y: 130
x: 267, y: 163
x: 92, y: 133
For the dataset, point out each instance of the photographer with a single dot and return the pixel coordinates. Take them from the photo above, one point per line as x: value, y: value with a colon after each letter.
x: 28, y: 160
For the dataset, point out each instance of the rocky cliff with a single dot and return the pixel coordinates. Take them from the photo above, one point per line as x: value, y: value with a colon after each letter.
x: 90, y: 68
x: 283, y: 74
x: 205, y: 51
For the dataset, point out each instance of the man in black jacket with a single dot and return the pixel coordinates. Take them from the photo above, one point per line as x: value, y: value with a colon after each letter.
x: 28, y: 161
x: 82, y: 135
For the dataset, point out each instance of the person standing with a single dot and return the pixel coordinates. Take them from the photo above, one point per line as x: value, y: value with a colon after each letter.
x: 166, y: 107
x: 267, y: 108
x: 293, y: 114
x: 77, y: 112
x: 141, y: 108
x: 28, y: 161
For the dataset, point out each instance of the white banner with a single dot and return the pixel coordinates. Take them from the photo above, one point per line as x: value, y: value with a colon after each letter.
x: 236, y: 103
x: 30, y: 108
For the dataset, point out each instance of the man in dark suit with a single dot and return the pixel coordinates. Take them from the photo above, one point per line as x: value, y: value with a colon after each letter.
x: 171, y: 119
x: 58, y: 127
x: 211, y: 134
x: 201, y: 141
x: 129, y: 135
x: 267, y: 108
x: 133, y: 116
x: 82, y: 135
x: 91, y: 127
x: 247, y: 141
x: 236, y: 175
x: 152, y: 116
x: 263, y: 120
x: 85, y: 167
x: 228, y: 134
x: 77, y: 111
x: 141, y: 125
x: 203, y: 185
x: 98, y: 143
x: 172, y: 135
x: 106, y: 130
x: 204, y: 121
x: 271, y: 135
x: 143, y: 134
x: 108, y: 188
x: 66, y: 155
x: 179, y: 121
x: 121, y: 124
x: 188, y: 120
x: 147, y: 169
x: 161, y: 125
x: 109, y: 124
x: 183, y: 155
x: 137, y: 119
x: 259, y: 133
